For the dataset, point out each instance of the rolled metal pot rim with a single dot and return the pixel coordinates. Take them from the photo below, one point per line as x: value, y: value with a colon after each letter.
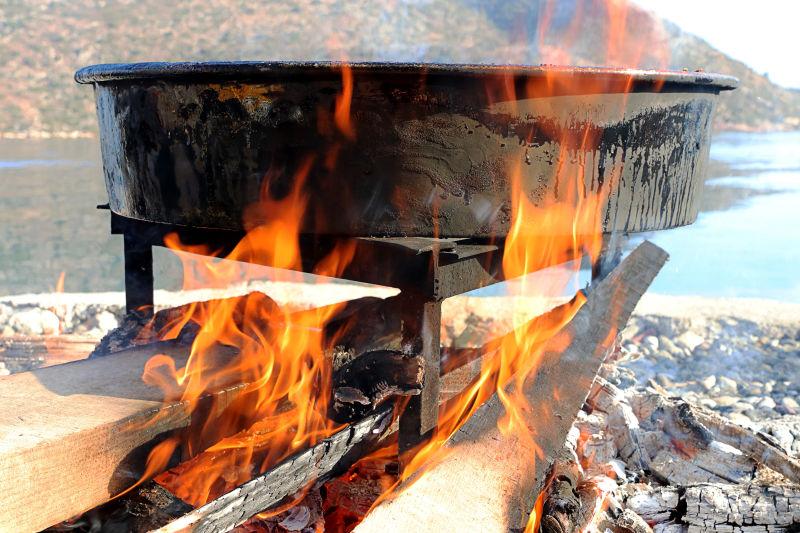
x: 240, y: 70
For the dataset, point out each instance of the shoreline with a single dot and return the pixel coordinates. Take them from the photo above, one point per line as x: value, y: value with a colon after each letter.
x: 77, y: 313
x: 737, y: 356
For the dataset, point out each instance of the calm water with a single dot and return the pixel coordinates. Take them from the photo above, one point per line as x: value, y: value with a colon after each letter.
x: 746, y: 241
x: 752, y: 247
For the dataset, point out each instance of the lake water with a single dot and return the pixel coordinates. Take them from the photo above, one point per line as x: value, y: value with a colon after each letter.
x: 749, y: 244
x: 746, y: 241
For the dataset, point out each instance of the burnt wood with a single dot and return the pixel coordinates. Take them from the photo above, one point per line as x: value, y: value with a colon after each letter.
x: 362, y: 384
x: 329, y: 457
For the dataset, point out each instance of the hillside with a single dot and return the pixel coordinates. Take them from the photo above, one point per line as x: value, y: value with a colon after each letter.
x: 43, y: 42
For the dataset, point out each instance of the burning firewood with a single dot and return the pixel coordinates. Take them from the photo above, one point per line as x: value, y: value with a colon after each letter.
x: 369, y: 366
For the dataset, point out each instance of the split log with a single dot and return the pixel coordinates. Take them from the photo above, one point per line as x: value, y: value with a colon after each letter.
x: 757, y: 445
x: 74, y: 435
x: 682, y: 444
x: 702, y: 430
x: 488, y: 481
x: 741, y: 508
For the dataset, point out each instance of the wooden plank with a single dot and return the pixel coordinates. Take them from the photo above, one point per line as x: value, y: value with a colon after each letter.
x: 24, y: 351
x: 489, y: 481
x: 78, y: 434
x: 74, y: 435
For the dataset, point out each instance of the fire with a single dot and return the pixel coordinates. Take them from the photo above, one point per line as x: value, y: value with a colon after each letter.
x: 556, y: 231
x: 342, y: 112
x: 280, y: 356
x: 60, y: 282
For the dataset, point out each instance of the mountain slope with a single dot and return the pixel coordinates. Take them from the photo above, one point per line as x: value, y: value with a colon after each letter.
x: 42, y: 42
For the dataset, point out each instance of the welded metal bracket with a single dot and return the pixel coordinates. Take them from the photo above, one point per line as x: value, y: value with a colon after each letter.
x: 426, y: 270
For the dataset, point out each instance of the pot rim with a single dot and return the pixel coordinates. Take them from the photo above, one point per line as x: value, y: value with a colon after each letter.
x: 241, y: 70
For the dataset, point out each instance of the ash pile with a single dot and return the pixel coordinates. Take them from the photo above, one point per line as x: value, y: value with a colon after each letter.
x: 694, y: 426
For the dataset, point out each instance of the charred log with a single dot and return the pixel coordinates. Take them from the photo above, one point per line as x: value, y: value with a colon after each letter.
x: 362, y: 384
x: 330, y: 457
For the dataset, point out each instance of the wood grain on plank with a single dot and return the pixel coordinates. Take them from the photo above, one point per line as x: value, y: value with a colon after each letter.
x: 74, y: 435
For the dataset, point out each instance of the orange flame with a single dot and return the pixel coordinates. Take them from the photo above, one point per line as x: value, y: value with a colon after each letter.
x: 341, y: 113
x: 278, y: 357
x: 60, y: 282
x: 557, y: 230
x: 281, y: 356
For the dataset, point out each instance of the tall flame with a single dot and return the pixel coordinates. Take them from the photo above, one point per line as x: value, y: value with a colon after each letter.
x: 281, y: 355
x: 559, y: 230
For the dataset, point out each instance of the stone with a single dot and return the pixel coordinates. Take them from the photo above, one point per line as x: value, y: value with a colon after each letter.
x: 709, y: 382
x: 708, y: 402
x: 651, y: 343
x: 753, y: 389
x: 741, y: 419
x: 631, y: 348
x: 790, y: 405
x: 665, y: 381
x: 35, y: 322
x: 783, y: 435
x: 106, y: 321
x: 666, y: 344
x: 690, y: 340
x: 664, y: 355
x: 753, y: 414
x: 726, y: 401
x: 727, y: 385
x: 766, y: 403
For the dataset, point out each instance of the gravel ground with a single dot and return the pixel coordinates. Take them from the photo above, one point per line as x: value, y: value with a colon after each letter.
x: 737, y: 356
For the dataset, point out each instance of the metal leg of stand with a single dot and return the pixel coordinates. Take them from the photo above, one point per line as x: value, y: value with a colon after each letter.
x: 138, y: 276
x: 422, y: 325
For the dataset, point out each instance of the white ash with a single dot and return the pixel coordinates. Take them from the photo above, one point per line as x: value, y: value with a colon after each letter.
x: 677, y: 486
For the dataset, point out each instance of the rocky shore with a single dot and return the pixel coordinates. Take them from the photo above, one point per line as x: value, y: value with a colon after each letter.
x: 739, y: 357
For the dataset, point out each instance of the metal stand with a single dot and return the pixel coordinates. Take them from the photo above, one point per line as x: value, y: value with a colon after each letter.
x: 426, y: 270
x: 138, y: 276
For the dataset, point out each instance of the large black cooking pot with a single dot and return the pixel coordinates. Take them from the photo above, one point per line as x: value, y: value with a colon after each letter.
x: 424, y: 150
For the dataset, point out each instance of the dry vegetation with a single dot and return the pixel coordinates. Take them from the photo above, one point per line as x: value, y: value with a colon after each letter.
x: 43, y: 42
